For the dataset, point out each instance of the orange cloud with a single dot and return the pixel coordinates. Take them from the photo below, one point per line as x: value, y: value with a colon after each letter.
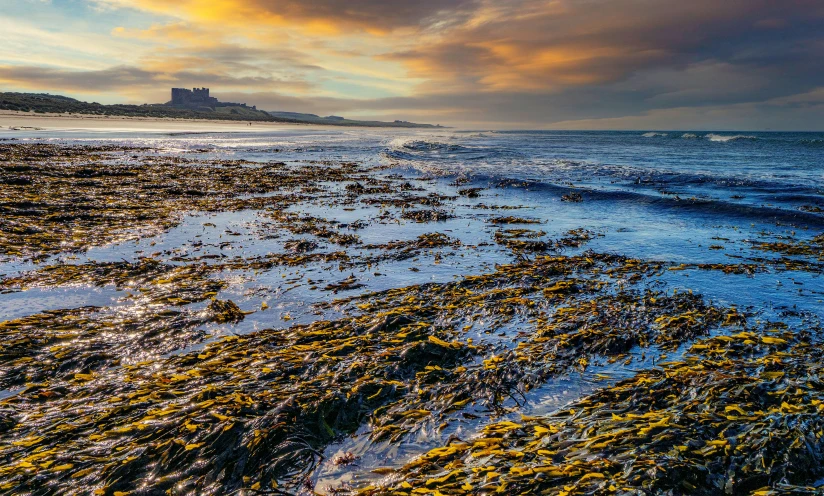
x: 534, y: 45
x: 320, y: 17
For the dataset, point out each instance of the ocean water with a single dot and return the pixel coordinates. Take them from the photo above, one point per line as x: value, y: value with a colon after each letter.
x: 730, y: 172
x: 681, y: 197
x: 634, y: 181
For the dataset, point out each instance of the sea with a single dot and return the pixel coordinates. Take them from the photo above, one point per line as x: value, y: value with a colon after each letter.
x: 682, y: 197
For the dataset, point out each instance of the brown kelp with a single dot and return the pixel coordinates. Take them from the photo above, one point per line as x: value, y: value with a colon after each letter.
x: 153, y: 321
x: 527, y: 240
x: 740, y: 414
x: 244, y: 411
x: 813, y: 248
x: 255, y: 409
x: 611, y: 325
x: 60, y: 198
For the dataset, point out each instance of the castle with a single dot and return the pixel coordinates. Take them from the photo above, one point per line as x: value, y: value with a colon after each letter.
x: 198, y: 98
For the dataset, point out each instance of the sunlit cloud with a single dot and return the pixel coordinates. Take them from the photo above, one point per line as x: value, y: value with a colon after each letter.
x: 377, y: 17
x: 126, y: 77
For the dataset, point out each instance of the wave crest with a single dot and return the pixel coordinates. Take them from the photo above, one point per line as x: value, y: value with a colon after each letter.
x: 431, y: 146
x: 720, y: 138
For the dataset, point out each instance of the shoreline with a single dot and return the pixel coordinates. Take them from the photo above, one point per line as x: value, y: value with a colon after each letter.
x: 362, y: 325
x: 28, y: 121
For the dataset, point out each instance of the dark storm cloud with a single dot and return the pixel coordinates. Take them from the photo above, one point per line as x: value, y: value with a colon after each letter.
x: 573, y: 43
x: 556, y: 61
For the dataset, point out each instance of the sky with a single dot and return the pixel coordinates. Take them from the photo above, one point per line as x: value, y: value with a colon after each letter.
x: 523, y: 64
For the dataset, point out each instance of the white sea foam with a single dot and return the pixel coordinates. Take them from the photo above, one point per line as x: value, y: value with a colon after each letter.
x: 689, y: 136
x: 653, y: 135
x: 720, y: 138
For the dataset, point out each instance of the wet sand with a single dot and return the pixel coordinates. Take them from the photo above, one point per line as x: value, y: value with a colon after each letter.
x: 54, y: 122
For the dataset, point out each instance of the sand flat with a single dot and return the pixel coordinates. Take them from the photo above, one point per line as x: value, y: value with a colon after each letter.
x: 59, y: 122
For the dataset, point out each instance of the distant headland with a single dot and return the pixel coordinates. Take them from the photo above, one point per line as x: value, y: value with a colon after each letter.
x: 196, y: 103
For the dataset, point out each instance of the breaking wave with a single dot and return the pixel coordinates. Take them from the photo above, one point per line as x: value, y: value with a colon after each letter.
x: 720, y: 138
x: 421, y: 145
x: 440, y: 151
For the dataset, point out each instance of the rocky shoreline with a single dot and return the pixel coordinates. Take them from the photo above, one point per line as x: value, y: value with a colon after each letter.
x: 166, y: 392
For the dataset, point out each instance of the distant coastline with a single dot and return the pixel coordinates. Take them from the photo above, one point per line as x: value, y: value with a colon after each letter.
x: 12, y: 122
x: 57, y: 105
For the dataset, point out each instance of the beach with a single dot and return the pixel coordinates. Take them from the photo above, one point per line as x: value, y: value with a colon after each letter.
x: 64, y: 122
x: 212, y: 307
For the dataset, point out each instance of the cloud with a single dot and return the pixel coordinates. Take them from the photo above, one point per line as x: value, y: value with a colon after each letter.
x: 537, y: 45
x: 572, y: 110
x: 738, y: 117
x: 327, y: 16
x: 126, y: 77
x: 579, y: 109
x: 507, y: 63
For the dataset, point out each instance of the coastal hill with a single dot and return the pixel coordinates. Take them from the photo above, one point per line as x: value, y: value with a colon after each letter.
x: 42, y: 103
x: 334, y: 120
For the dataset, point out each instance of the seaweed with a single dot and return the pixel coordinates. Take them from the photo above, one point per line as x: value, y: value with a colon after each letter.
x: 740, y: 414
x: 243, y: 412
x: 470, y: 192
x: 512, y: 220
x: 427, y: 215
x: 59, y: 198
x: 406, y: 249
x: 512, y: 239
x: 156, y: 394
x: 254, y: 410
x: 813, y: 247
x: 59, y: 344
x: 572, y: 197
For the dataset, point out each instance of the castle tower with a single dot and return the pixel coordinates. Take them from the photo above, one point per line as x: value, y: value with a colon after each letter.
x: 181, y: 96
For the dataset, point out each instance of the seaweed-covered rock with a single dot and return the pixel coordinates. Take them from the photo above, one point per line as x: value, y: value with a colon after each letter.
x: 427, y: 215
x: 225, y: 311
